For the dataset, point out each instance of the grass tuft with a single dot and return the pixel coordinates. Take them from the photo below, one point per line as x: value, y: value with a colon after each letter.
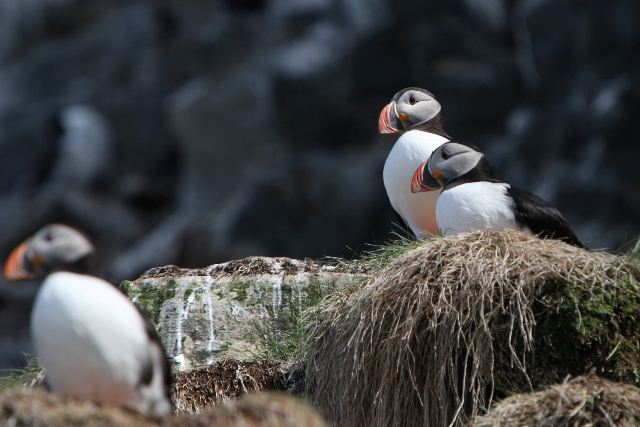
x: 422, y: 341
x: 32, y: 375
x: 227, y: 379
x: 634, y: 252
x: 379, y: 256
x: 582, y: 401
x: 288, y: 340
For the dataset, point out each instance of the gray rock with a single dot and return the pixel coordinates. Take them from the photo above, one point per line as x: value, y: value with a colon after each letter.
x: 220, y: 311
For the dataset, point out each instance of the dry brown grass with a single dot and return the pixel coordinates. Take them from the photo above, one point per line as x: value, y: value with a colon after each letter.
x: 224, y: 380
x: 254, y: 410
x: 415, y: 345
x: 584, y: 401
x: 39, y: 408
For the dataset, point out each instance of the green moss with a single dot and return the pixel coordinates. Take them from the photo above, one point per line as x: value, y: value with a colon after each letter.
x: 151, y: 298
x: 579, y: 329
x: 240, y: 288
x: 126, y: 287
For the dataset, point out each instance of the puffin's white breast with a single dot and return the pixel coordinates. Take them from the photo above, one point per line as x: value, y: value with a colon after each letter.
x: 477, y: 205
x: 91, y: 338
x: 410, y: 151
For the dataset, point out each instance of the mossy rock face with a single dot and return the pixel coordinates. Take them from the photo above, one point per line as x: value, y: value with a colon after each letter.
x: 219, y: 312
x: 580, y: 329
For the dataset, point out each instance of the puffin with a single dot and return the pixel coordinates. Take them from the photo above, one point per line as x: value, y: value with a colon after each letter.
x: 95, y: 344
x: 416, y: 114
x: 472, y: 198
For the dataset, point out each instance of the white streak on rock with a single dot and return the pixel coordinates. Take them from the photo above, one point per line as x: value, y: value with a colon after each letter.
x: 179, y: 358
x: 212, y: 338
x: 277, y: 294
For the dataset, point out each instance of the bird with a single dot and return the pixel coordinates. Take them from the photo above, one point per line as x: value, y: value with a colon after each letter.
x: 472, y: 198
x: 416, y: 114
x: 95, y: 344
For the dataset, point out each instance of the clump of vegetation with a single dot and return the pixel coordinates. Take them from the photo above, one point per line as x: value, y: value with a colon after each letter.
x: 223, y: 380
x: 582, y: 401
x: 285, y: 337
x: 379, y: 256
x: 429, y: 339
x: 31, y: 375
x: 33, y: 407
x: 579, y: 328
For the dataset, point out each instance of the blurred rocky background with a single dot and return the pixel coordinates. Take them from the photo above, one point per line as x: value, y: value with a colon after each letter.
x: 193, y: 132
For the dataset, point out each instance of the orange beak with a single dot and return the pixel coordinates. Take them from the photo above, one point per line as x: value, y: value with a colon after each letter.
x: 384, y: 121
x: 13, y: 269
x: 417, y: 186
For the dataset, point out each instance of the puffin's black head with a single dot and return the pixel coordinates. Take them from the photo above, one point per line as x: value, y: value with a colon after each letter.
x: 449, y: 161
x: 409, y: 108
x: 52, y: 247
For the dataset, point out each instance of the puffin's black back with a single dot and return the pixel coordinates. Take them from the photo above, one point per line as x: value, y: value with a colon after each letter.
x: 542, y: 218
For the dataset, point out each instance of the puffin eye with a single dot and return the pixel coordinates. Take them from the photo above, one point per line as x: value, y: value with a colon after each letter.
x: 445, y: 156
x: 412, y: 100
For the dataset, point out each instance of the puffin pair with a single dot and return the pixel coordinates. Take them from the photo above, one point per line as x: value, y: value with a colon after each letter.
x: 455, y: 190
x: 93, y: 341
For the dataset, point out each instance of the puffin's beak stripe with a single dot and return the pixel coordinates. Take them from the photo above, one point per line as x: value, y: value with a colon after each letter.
x: 417, y: 185
x: 384, y: 121
x: 424, y: 180
x: 13, y: 269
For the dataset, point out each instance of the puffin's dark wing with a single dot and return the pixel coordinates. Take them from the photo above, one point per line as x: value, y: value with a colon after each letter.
x: 542, y: 218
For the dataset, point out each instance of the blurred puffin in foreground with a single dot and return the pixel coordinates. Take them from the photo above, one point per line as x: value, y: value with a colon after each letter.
x: 472, y: 198
x: 93, y: 341
x: 417, y: 114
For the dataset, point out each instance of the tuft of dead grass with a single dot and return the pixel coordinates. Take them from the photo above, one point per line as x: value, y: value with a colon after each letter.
x: 584, y: 401
x: 224, y: 380
x: 416, y: 345
x: 254, y: 410
x: 39, y: 408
